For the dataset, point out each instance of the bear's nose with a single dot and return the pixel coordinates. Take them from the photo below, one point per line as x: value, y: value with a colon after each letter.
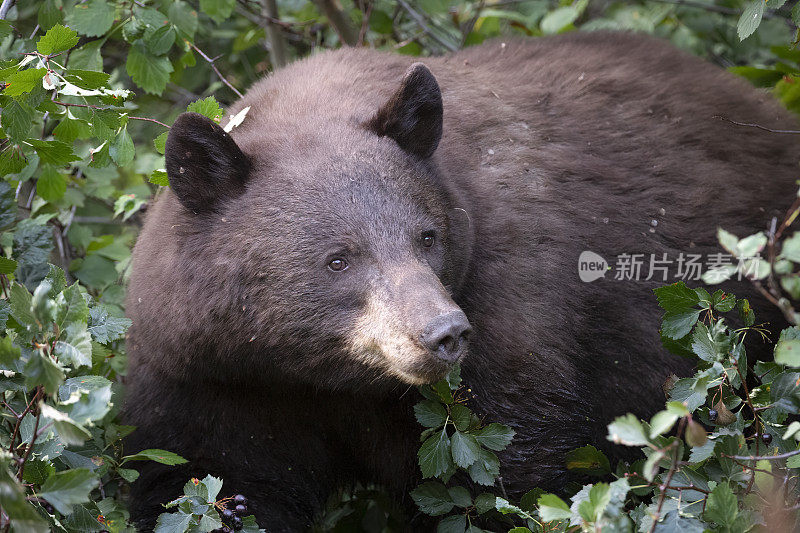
x: 446, y: 335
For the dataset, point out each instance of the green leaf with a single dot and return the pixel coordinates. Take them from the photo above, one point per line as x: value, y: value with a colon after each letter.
x: 208, y: 107
x: 160, y: 41
x: 23, y: 81
x: 92, y: 18
x: 173, y: 523
x: 149, y: 72
x: 57, y: 39
x: 722, y: 507
x: 122, y: 150
x: 750, y: 19
x: 485, y: 469
x: 17, y: 119
x: 465, y: 449
x: 159, y: 177
x: 676, y: 297
x: 184, y: 17
x: 49, y: 14
x: 160, y: 456
x: 787, y: 352
x: 460, y: 496
x: 485, y: 502
x: 53, y: 152
x: 434, y: 455
x: 661, y: 423
x: 452, y: 524
x: 432, y: 498
x: 677, y: 324
x: 20, y: 300
x: 14, y: 503
x: 430, y: 414
x: 87, y: 79
x: 76, y: 349
x: 128, y: 474
x: 218, y: 10
x: 588, y: 460
x: 51, y: 185
x: 495, y: 436
x: 8, y: 351
x: 42, y: 370
x: 551, y: 507
x: 105, y: 327
x: 627, y: 430
x: 558, y: 19
x: 160, y: 143
x: 7, y: 266
x: 64, y: 489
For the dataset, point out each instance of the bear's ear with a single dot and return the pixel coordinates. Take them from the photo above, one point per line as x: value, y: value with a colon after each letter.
x: 413, y: 115
x: 204, y: 163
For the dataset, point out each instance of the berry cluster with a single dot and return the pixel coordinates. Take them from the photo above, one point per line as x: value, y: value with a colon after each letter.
x: 232, y: 518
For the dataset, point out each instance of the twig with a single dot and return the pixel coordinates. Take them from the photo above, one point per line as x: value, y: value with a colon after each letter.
x: 762, y: 457
x: 6, y: 5
x: 30, y: 446
x: 420, y: 20
x: 759, y: 126
x: 471, y: 24
x: 672, y: 468
x: 341, y: 25
x: 214, y: 67
x: 20, y: 417
x: 66, y: 104
x: 365, y: 21
x: 277, y: 45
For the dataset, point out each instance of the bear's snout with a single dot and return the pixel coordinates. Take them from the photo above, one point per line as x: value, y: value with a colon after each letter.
x: 446, y: 336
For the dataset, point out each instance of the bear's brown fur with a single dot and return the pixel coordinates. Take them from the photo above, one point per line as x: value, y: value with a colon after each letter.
x: 257, y: 362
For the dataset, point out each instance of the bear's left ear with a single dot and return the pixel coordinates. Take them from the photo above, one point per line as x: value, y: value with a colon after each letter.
x: 413, y: 115
x: 204, y: 164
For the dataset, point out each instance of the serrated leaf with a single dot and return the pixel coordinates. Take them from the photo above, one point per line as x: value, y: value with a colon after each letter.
x: 92, y: 18
x: 676, y: 297
x: 218, y: 10
x: 551, y: 507
x: 787, y: 352
x: 51, y: 185
x: 485, y: 469
x: 105, y: 327
x: 677, y: 324
x: 184, y: 17
x: 64, y: 489
x: 750, y: 19
x: 57, y: 39
x: 160, y: 41
x: 434, y: 455
x: 23, y: 81
x: 53, y: 152
x: 159, y: 177
x: 465, y: 449
x: 495, y: 436
x: 160, y: 456
x: 173, y: 522
x: 122, y: 150
x: 432, y: 498
x: 149, y: 72
x: 7, y: 266
x: 160, y: 143
x: 76, y: 348
x: 430, y: 414
x: 208, y: 107
x: 722, y: 507
x: 588, y: 460
x: 17, y: 119
x: 627, y: 430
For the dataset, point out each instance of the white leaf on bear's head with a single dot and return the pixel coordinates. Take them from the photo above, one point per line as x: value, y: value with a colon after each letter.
x: 236, y: 119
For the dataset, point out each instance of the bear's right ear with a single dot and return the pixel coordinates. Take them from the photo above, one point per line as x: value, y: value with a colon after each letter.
x: 204, y: 164
x: 413, y: 115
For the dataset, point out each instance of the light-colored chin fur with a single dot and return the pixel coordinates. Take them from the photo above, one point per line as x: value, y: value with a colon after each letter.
x: 379, y: 340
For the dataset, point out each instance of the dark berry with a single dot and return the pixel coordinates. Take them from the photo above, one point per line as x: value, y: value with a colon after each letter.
x: 227, y: 514
x: 226, y: 529
x: 240, y: 500
x: 767, y: 438
x: 712, y: 415
x: 240, y: 509
x: 237, y: 523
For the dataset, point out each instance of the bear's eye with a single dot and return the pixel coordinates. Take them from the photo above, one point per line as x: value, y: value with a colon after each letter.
x: 428, y: 239
x: 338, y: 264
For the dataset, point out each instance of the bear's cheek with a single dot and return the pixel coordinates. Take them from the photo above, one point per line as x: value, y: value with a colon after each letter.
x: 380, y: 338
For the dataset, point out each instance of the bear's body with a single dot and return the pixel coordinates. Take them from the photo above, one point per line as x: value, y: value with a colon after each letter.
x: 263, y: 366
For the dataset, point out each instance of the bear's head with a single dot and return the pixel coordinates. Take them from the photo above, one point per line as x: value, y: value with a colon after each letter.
x: 329, y: 253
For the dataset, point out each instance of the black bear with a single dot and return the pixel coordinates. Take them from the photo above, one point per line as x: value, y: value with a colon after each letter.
x: 373, y: 221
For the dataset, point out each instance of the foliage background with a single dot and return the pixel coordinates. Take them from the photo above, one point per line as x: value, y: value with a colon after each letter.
x: 88, y: 89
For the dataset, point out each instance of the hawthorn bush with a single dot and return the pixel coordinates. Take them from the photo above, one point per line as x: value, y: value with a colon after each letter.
x: 88, y: 89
